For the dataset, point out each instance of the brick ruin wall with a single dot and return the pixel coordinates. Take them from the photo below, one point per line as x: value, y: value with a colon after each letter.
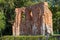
x: 33, y: 20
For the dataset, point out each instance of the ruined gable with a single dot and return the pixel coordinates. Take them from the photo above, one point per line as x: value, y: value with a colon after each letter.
x: 38, y: 19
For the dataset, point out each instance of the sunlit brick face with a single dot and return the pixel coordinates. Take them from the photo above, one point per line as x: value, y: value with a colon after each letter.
x: 33, y: 20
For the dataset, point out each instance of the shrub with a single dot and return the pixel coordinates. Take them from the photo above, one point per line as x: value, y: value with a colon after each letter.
x: 22, y: 37
x: 28, y: 38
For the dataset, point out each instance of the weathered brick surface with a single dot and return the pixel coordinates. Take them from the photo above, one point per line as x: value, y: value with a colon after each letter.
x: 38, y: 19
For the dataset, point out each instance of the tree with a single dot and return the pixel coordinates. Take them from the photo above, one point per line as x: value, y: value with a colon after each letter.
x: 2, y: 22
x: 55, y: 7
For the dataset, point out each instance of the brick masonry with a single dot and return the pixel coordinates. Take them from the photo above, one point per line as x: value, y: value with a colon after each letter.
x: 37, y: 20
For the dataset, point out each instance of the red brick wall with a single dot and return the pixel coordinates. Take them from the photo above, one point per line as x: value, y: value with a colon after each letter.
x: 37, y: 18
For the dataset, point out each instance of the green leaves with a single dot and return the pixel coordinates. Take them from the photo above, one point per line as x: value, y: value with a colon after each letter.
x: 2, y: 20
x: 2, y: 1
